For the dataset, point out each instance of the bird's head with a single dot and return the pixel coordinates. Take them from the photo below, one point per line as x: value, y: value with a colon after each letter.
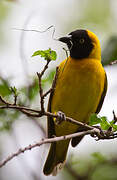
x: 82, y: 44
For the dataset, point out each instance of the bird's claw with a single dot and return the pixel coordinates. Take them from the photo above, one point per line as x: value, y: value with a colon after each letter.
x: 60, y: 117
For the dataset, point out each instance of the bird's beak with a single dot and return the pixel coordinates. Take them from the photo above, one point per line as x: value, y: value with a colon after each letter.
x: 66, y: 39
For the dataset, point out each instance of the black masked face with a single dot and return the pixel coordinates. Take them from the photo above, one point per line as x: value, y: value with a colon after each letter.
x: 79, y: 44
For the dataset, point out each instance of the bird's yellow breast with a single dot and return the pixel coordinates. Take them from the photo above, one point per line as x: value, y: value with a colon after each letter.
x: 78, y: 91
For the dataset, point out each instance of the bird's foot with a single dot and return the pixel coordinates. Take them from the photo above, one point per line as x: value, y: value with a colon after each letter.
x: 60, y: 117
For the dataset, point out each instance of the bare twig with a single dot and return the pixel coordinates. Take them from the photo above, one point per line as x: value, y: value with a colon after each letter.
x: 114, y: 117
x: 40, y: 86
x: 45, y: 141
x: 15, y: 99
x: 46, y: 93
x: 94, y: 131
x: 39, y: 113
x: 23, y: 163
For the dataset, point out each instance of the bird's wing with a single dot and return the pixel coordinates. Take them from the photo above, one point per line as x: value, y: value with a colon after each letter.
x: 50, y: 122
x: 102, y: 96
x: 75, y: 141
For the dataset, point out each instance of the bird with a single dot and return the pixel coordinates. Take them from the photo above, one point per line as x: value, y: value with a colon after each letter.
x: 80, y: 89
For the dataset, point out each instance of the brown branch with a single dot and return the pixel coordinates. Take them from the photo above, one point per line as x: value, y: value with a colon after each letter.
x: 93, y: 131
x: 38, y: 113
x: 15, y: 99
x: 114, y: 117
x: 8, y: 105
x: 46, y: 93
x: 40, y: 85
x: 45, y: 141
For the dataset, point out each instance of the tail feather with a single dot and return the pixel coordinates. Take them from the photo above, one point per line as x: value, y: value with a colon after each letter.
x: 56, y: 157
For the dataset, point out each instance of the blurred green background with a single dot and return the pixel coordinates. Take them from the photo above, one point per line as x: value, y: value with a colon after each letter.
x: 91, y: 160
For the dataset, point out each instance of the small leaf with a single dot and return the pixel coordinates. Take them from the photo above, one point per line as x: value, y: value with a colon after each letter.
x: 112, y: 122
x: 114, y: 127
x: 94, y: 119
x: 46, y: 54
x: 14, y: 90
x: 105, y: 124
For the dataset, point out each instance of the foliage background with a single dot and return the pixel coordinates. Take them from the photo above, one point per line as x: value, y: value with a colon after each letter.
x: 18, y: 69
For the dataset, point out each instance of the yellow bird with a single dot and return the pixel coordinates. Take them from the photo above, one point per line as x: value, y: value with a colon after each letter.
x: 80, y: 90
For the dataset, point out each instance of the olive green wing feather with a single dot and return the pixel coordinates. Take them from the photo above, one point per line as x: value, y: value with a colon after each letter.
x: 75, y: 141
x: 102, y: 96
x: 50, y: 122
x: 56, y: 157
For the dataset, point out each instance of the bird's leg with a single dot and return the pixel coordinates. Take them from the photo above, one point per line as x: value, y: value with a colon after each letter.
x: 60, y: 117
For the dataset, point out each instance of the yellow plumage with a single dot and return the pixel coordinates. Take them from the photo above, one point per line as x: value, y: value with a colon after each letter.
x: 80, y: 88
x: 78, y: 91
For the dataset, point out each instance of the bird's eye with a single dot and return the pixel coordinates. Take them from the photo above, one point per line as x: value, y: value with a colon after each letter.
x: 81, y: 41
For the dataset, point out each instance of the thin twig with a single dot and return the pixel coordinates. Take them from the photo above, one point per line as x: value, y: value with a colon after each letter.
x: 51, y: 140
x: 15, y: 99
x: 45, y: 141
x: 46, y: 93
x: 23, y: 163
x: 39, y: 113
x: 114, y: 117
x: 40, y: 86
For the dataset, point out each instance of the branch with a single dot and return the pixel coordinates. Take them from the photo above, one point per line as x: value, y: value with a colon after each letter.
x: 93, y: 132
x: 23, y: 109
x: 108, y: 134
x: 42, y: 96
x: 45, y: 141
x: 38, y: 113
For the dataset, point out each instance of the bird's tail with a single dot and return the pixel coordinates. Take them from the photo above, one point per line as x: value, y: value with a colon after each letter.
x: 56, y: 157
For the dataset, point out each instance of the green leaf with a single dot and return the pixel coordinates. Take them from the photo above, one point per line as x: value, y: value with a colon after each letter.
x: 14, y: 90
x: 105, y: 124
x: 46, y: 54
x: 111, y: 122
x: 94, y: 119
x: 114, y: 127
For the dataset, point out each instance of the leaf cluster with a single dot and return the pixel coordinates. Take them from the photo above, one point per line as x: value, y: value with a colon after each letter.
x: 48, y: 55
x: 102, y: 121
